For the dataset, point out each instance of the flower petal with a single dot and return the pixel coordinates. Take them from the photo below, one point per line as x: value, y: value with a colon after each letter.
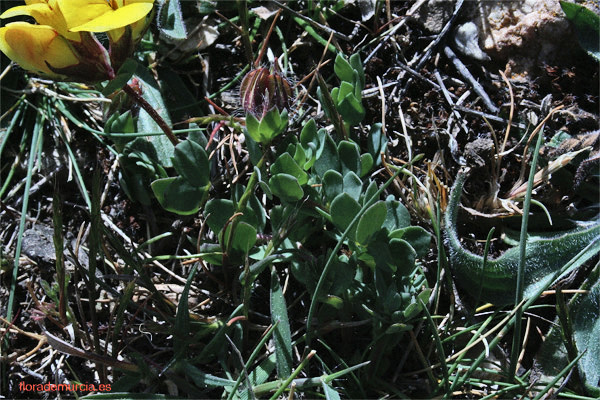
x: 99, y: 16
x: 45, y: 14
x: 33, y: 47
x: 79, y: 12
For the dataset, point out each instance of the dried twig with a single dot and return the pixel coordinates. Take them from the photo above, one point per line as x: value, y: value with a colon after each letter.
x: 464, y: 71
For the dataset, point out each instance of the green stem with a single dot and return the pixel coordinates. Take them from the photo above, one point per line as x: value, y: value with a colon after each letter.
x: 36, y: 140
x: 294, y: 374
x: 516, y: 344
x: 251, y: 183
x: 243, y: 12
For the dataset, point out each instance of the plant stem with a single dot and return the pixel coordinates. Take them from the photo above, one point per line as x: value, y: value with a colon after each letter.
x: 135, y: 96
x: 251, y: 184
x: 243, y: 12
x: 522, y: 254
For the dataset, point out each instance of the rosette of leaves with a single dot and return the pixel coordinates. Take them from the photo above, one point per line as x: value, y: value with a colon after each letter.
x: 347, y: 98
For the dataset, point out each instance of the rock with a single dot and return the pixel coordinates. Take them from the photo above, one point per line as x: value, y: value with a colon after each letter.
x: 38, y: 244
x: 479, y: 152
x: 526, y: 34
x: 435, y: 14
x: 466, y: 40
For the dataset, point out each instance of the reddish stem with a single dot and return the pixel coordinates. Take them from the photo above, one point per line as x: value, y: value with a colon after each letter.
x: 135, y: 96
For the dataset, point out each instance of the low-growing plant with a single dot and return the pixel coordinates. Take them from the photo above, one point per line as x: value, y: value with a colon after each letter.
x: 313, y: 269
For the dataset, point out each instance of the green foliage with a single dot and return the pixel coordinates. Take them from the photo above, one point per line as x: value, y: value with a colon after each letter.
x: 170, y: 20
x: 347, y: 98
x: 185, y: 193
x: 576, y: 335
x: 140, y: 166
x: 587, y: 26
x: 151, y: 92
x: 282, y: 334
x: 124, y: 74
x: 270, y: 126
x: 543, y: 261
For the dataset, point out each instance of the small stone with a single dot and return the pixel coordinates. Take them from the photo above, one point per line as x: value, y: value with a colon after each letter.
x: 466, y: 40
x: 435, y: 14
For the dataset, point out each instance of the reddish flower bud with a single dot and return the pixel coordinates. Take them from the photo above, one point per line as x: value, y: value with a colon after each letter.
x: 263, y: 89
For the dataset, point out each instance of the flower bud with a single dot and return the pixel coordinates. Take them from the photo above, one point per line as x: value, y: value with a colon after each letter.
x: 263, y: 89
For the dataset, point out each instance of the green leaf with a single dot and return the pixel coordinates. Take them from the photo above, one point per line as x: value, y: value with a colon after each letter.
x: 341, y: 275
x: 371, y: 190
x: 123, y: 76
x: 333, y: 184
x: 309, y: 141
x: 343, y: 69
x: 182, y: 318
x: 352, y: 185
x: 357, y: 65
x: 558, y: 138
x: 552, y: 357
x: 202, y: 379
x: 300, y: 156
x: 217, y: 212
x: 309, y: 133
x: 351, y: 109
x: 151, y: 93
x: 327, y: 155
x: 545, y: 259
x: 255, y: 269
x: 587, y: 27
x: 366, y: 164
x: 254, y: 150
x: 285, y: 164
x: 253, y: 127
x: 140, y: 166
x: 286, y: 187
x: 346, y: 89
x: 419, y: 238
x: 270, y: 126
x: 261, y: 373
x: 244, y: 236
x: 377, y: 143
x: 120, y: 123
x: 177, y: 95
x: 170, y: 21
x: 343, y: 210
x: 282, y: 336
x: 370, y: 222
x: 403, y: 255
x: 397, y: 215
x: 349, y: 157
x: 179, y: 196
x: 586, y: 333
x: 191, y: 162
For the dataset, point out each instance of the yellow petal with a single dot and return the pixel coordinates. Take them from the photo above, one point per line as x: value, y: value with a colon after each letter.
x: 79, y: 12
x: 45, y: 14
x: 99, y: 16
x: 33, y: 47
x: 116, y: 19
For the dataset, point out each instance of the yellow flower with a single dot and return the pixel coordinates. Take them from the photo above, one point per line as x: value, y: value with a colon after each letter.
x: 62, y: 46
x: 37, y: 48
x: 124, y: 21
x: 103, y: 15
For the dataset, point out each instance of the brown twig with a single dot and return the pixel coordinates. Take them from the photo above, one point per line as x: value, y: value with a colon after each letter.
x: 266, y: 41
